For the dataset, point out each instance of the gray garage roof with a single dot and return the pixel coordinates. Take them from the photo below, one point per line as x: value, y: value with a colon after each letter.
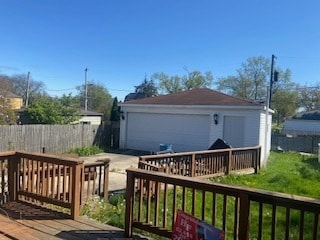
x: 312, y: 115
x: 201, y: 96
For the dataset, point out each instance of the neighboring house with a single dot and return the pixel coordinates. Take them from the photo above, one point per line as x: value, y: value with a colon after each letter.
x: 86, y: 117
x: 134, y: 96
x: 90, y: 117
x: 304, y: 123
x: 193, y: 120
x: 15, y: 101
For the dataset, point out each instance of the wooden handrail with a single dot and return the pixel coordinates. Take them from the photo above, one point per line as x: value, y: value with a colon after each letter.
x: 206, y: 164
x: 184, y: 192
x: 49, y: 179
x: 159, y: 156
x: 62, y: 160
x: 52, y: 179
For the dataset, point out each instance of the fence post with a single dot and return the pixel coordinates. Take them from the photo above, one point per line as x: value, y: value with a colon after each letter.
x: 129, y: 204
x: 76, y: 193
x: 244, y: 223
x: 228, y: 162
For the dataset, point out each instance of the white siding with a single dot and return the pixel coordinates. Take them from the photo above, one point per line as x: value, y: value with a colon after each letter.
x: 251, y: 126
x: 265, y: 135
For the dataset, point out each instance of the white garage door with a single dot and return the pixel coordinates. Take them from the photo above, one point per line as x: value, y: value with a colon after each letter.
x: 233, y: 130
x: 147, y: 131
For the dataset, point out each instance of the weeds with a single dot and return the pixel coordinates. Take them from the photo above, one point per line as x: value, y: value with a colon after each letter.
x: 112, y: 212
x: 86, y: 151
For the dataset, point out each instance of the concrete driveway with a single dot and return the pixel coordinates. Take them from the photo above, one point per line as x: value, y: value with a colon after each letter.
x: 117, y: 168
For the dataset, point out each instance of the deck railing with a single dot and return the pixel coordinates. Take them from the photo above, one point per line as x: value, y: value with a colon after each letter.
x: 242, y: 213
x: 96, y: 177
x: 48, y: 179
x: 205, y: 164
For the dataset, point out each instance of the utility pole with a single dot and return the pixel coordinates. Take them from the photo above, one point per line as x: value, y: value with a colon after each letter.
x: 86, y: 90
x: 28, y: 89
x: 271, y: 78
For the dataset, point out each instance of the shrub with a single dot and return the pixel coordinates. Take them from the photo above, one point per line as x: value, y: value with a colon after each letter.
x: 112, y: 212
x: 86, y: 151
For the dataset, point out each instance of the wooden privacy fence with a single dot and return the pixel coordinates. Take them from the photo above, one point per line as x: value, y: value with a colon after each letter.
x: 242, y: 213
x: 204, y: 164
x: 48, y: 179
x: 57, y: 138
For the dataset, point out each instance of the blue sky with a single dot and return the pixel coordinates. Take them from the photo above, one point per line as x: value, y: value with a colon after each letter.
x: 122, y: 40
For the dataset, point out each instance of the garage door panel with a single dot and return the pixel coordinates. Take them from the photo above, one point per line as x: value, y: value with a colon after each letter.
x: 184, y: 132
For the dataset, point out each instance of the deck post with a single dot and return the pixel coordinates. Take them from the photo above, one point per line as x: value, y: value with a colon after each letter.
x: 106, y: 180
x: 244, y: 223
x: 258, y: 159
x: 193, y: 165
x: 129, y: 204
x: 13, y: 174
x: 75, y: 195
x: 255, y: 160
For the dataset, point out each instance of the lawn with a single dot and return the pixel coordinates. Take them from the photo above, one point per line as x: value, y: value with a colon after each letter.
x: 287, y: 172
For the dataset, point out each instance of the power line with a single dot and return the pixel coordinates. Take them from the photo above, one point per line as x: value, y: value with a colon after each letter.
x: 119, y: 90
x: 60, y: 90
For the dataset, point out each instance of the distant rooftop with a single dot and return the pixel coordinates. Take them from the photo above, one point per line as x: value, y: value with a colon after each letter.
x: 89, y: 113
x: 311, y: 115
x: 11, y: 95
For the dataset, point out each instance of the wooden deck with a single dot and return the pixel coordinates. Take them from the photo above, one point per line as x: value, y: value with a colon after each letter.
x: 19, y: 220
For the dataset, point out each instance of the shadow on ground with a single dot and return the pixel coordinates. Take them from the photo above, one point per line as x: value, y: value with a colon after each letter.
x: 97, y: 234
x: 129, y: 152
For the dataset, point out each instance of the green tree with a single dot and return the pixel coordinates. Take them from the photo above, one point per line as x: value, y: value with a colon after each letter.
x: 70, y: 101
x: 99, y: 99
x: 115, y: 111
x: 48, y: 110
x: 195, y: 79
x: 168, y: 84
x: 309, y: 98
x: 250, y: 81
x: 285, y: 96
x: 235, y: 86
x: 146, y: 89
x: 172, y: 84
x: 285, y: 104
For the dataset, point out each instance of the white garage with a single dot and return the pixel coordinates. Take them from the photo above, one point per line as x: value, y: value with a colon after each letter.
x: 192, y: 120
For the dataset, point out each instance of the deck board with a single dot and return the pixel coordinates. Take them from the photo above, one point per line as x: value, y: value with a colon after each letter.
x: 19, y: 220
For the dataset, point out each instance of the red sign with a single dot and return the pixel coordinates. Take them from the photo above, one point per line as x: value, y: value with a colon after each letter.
x: 187, y: 227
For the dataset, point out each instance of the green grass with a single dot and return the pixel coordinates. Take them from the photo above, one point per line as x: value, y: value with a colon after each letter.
x: 285, y: 172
